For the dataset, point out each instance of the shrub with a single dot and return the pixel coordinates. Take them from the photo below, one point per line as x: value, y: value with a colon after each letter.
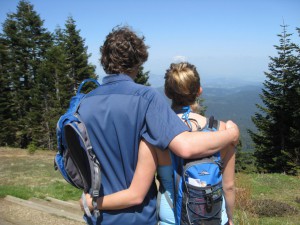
x: 31, y: 148
x: 272, y: 208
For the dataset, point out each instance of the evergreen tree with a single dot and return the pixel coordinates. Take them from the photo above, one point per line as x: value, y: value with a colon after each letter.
x: 276, y: 148
x: 244, y: 161
x: 142, y: 77
x: 39, y: 74
x: 6, y: 129
x: 53, y: 79
x: 77, y: 57
x: 27, y: 42
x: 294, y: 95
x: 58, y: 61
x: 65, y: 67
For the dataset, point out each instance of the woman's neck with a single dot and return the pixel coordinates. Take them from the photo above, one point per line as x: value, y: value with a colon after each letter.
x: 194, y: 107
x: 176, y: 107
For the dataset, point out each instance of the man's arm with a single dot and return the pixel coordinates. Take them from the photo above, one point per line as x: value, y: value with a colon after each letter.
x: 201, y: 144
x: 139, y: 187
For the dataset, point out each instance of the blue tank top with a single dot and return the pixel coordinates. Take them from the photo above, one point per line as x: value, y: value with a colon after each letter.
x: 166, y: 214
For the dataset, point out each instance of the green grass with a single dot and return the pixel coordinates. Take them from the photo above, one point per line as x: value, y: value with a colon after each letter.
x: 20, y: 192
x: 27, y: 175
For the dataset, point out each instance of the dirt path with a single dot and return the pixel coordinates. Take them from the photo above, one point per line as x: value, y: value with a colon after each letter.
x: 14, y: 214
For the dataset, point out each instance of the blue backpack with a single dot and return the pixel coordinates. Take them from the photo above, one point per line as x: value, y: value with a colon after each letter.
x: 75, y: 158
x: 198, y: 194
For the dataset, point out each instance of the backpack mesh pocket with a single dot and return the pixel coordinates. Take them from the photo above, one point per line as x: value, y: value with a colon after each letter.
x: 202, y: 205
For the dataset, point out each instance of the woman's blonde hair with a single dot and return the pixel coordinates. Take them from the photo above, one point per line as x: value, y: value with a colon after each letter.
x: 182, y: 83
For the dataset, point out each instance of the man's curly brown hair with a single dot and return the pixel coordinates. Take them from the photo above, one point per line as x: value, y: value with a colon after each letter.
x: 123, y: 51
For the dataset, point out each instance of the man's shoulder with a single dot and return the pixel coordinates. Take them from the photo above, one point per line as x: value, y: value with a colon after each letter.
x: 127, y: 90
x: 146, y: 91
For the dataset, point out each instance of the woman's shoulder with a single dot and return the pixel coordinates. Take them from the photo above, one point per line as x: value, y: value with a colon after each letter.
x: 201, y: 120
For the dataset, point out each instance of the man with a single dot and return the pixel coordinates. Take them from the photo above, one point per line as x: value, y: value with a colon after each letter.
x: 120, y: 113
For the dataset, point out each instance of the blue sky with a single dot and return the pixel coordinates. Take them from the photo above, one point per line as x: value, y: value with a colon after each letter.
x: 230, y: 39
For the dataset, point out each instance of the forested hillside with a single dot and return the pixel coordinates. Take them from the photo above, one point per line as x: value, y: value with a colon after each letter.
x: 237, y: 104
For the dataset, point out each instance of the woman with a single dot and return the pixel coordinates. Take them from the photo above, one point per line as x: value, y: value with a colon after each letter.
x: 182, y: 86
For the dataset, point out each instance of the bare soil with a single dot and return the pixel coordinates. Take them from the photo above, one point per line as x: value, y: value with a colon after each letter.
x: 14, y: 214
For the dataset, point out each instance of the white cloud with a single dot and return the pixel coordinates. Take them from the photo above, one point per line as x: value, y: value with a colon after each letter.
x: 179, y: 58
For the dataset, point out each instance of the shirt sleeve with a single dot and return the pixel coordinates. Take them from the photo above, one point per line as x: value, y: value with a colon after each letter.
x: 161, y: 123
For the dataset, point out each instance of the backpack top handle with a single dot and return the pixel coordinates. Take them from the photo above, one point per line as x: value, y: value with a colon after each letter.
x: 85, y: 81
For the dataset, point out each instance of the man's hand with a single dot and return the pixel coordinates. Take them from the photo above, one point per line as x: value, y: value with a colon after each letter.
x: 89, y: 202
x: 234, y: 130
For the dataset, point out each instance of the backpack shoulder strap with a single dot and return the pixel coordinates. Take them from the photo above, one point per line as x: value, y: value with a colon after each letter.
x: 85, y: 81
x: 84, y: 95
x: 95, y: 167
x: 162, y: 191
x: 213, y: 124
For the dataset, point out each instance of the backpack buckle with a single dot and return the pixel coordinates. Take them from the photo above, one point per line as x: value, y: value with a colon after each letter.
x: 95, y: 193
x: 91, y: 153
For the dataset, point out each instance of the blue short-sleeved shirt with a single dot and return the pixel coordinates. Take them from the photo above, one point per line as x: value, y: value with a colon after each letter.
x: 118, y: 114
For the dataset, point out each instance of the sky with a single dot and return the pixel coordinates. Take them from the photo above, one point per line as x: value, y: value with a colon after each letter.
x: 224, y: 39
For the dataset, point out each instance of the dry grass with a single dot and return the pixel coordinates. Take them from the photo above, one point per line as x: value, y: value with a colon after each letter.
x: 243, y: 202
x: 18, y: 167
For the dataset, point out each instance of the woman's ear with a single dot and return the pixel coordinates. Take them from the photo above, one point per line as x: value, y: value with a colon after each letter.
x: 199, y: 91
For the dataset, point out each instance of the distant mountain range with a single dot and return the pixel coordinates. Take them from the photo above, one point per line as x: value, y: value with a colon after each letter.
x: 232, y: 102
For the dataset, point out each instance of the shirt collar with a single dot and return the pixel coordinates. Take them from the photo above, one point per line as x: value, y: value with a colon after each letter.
x: 115, y: 78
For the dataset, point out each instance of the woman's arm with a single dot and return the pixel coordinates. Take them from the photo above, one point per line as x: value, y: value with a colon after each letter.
x: 228, y: 157
x: 141, y: 182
